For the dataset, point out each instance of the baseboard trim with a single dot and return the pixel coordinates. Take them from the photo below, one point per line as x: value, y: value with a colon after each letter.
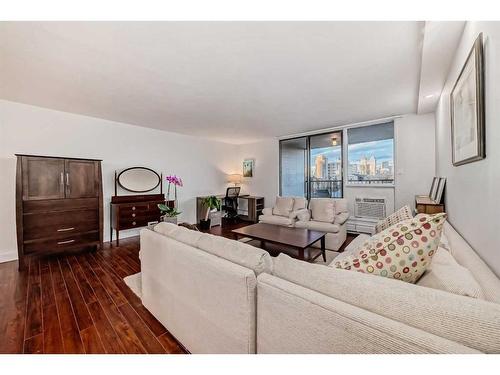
x: 8, y: 256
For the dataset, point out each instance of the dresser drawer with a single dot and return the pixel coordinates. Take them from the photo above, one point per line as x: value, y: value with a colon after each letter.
x: 59, y: 224
x: 67, y: 242
x: 52, y: 205
x: 126, y: 223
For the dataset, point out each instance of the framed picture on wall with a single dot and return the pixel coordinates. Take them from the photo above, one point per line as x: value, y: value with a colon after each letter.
x: 248, y: 167
x: 467, y: 109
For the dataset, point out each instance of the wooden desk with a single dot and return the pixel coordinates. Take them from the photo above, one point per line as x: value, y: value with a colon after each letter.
x: 254, y: 206
x: 425, y: 205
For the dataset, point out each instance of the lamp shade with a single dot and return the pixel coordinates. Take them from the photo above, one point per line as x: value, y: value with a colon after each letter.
x: 234, y: 178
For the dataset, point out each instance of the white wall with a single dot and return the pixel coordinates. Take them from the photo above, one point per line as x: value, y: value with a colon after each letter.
x: 472, y: 190
x: 266, y: 178
x: 202, y: 164
x: 415, y: 157
x: 415, y: 165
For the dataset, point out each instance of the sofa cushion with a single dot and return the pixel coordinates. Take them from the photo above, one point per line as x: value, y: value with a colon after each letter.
x: 404, y: 213
x: 318, y: 225
x: 304, y: 215
x: 322, y: 209
x: 471, y: 322
x: 181, y: 234
x: 283, y: 206
x: 299, y: 203
x: 340, y: 205
x: 446, y: 274
x: 237, y: 252
x: 276, y: 220
x: 402, y: 251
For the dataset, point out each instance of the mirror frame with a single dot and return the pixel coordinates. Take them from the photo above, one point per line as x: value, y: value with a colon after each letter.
x: 138, y: 191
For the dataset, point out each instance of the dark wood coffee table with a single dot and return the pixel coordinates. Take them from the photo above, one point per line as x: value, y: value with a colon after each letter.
x: 297, y: 238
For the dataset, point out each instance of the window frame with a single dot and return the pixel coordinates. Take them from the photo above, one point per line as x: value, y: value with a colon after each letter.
x: 347, y: 183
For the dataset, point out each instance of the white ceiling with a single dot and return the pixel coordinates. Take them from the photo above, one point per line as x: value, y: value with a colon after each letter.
x: 233, y: 81
x: 441, y: 40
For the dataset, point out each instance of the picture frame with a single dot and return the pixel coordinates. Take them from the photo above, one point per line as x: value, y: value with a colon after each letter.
x: 434, y: 186
x: 248, y: 167
x: 467, y: 109
x: 440, y: 190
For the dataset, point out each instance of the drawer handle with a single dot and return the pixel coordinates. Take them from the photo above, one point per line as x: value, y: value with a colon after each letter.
x: 133, y: 215
x: 133, y: 208
x: 133, y: 223
x: 65, y: 242
x: 65, y: 229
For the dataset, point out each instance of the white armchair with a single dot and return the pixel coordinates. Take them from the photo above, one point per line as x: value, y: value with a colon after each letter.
x: 284, y: 212
x: 326, y: 215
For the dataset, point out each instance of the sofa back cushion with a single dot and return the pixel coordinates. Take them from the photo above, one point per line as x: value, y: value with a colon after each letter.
x: 240, y: 253
x: 471, y: 322
x: 446, y: 274
x: 467, y: 257
x: 402, y: 251
x: 340, y: 205
x: 283, y: 206
x: 322, y: 209
x: 299, y: 203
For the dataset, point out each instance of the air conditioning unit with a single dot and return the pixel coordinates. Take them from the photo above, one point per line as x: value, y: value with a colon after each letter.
x: 371, y: 208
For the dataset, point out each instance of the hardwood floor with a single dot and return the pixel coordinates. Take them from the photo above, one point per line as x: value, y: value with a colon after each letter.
x: 80, y: 304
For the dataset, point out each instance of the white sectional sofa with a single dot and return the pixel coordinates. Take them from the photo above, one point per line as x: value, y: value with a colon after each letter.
x: 322, y: 214
x: 216, y: 295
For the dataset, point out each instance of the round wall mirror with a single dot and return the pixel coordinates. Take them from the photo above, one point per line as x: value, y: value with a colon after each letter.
x: 138, y: 179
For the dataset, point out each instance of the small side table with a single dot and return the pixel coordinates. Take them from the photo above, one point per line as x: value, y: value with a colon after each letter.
x: 425, y: 205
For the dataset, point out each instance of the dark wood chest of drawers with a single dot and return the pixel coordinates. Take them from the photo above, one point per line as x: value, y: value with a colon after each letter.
x: 134, y: 211
x: 58, y: 205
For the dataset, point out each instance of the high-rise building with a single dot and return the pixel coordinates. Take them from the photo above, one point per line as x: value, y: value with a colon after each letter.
x: 368, y: 167
x: 320, y: 164
x: 334, y: 169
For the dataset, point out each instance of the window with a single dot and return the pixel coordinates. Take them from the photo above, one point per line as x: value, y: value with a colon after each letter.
x: 312, y: 166
x: 370, y: 155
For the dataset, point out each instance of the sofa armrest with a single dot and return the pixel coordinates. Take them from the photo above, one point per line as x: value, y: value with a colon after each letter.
x: 332, y: 326
x: 341, y: 218
x: 267, y: 211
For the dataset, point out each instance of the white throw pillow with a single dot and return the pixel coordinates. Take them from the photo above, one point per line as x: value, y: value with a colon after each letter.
x: 404, y: 213
x: 444, y: 273
x: 283, y: 206
x: 322, y: 209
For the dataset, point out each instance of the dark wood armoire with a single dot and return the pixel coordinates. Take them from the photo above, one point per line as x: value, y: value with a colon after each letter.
x: 58, y: 205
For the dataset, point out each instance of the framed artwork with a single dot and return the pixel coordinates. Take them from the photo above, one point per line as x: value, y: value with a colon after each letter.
x: 440, y: 190
x: 434, y: 186
x: 248, y: 166
x: 467, y: 109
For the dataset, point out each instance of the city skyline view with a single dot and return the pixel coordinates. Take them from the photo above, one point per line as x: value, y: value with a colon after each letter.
x: 372, y: 160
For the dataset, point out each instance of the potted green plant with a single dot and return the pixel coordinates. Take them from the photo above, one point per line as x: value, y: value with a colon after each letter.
x: 209, y: 203
x: 169, y: 213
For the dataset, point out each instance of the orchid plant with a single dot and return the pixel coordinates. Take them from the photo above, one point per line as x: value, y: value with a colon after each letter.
x: 171, y: 211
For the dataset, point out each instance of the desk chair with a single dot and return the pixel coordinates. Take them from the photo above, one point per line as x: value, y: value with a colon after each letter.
x: 230, y: 204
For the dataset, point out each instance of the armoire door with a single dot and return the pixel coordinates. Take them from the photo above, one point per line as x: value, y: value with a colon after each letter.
x: 43, y: 178
x: 81, y: 179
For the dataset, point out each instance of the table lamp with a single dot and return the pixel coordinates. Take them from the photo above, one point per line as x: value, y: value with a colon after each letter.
x: 234, y: 179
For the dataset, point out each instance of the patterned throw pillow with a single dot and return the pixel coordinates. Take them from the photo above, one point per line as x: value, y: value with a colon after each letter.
x: 404, y: 213
x: 401, y: 252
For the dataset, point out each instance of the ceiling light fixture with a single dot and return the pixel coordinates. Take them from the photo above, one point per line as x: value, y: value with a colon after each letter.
x: 334, y: 141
